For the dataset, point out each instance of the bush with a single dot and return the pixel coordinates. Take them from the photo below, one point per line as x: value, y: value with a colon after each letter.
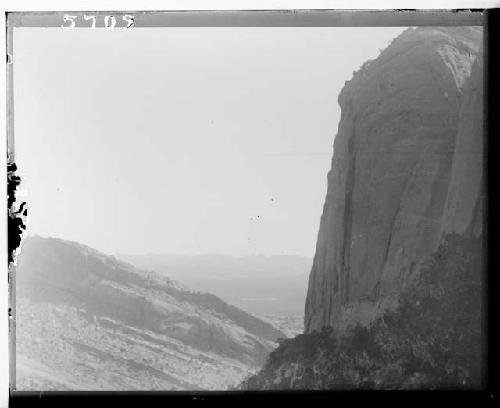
x: 432, y: 340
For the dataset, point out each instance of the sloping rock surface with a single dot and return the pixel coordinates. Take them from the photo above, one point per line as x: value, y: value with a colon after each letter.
x: 85, y: 320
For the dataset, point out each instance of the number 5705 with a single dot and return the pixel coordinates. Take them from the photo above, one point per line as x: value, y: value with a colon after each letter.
x: 109, y: 21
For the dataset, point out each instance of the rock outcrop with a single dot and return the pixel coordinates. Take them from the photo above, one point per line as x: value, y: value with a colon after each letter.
x: 93, y: 322
x: 406, y: 170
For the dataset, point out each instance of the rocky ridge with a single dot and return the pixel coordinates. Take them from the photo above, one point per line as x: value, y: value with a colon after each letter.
x: 86, y: 321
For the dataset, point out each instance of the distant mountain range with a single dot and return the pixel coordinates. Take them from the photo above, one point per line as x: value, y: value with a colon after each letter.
x: 262, y: 285
x: 87, y: 321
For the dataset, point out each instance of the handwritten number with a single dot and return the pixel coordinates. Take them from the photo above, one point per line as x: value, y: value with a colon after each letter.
x: 71, y: 19
x: 107, y: 23
x: 129, y: 19
x: 86, y: 18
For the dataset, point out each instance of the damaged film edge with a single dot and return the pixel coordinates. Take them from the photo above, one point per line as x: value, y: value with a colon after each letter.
x: 16, y: 211
x: 16, y: 217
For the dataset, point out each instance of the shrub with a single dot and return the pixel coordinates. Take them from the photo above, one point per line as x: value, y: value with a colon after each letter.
x: 433, y: 339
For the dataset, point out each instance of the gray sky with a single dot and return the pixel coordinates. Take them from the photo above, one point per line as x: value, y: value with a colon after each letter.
x: 182, y: 140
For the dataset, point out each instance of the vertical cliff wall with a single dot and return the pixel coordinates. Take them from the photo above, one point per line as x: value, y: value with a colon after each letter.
x: 466, y: 193
x: 406, y: 169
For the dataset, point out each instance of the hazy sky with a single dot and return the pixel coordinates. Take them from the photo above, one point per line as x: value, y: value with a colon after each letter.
x: 182, y: 140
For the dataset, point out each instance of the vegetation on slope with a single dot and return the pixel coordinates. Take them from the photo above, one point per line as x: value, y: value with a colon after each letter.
x: 432, y: 340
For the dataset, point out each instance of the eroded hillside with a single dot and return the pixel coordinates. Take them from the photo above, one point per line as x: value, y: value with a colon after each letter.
x: 85, y: 320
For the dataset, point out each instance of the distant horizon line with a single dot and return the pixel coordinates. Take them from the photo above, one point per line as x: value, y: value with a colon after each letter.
x: 177, y: 255
x: 257, y: 255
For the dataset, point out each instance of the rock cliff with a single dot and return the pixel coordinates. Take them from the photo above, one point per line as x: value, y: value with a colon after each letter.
x: 466, y: 193
x: 406, y: 170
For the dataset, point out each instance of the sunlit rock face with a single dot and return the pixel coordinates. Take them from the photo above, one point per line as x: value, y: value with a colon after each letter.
x: 466, y: 193
x: 406, y: 169
x: 86, y: 321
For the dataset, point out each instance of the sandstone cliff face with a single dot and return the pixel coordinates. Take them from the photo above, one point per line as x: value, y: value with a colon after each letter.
x: 406, y: 170
x: 466, y: 193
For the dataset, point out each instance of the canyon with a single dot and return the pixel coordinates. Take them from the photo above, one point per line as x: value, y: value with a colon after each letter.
x: 396, y: 272
x: 269, y: 287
